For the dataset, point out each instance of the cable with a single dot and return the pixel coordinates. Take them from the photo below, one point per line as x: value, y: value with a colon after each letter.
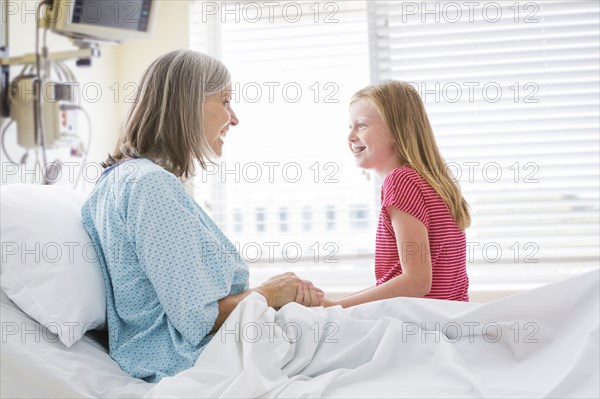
x: 56, y: 69
x: 24, y: 157
x: 23, y: 70
x: 44, y: 41
x: 41, y: 75
x: 4, y: 130
x: 38, y: 111
x: 35, y: 164
x: 87, y: 149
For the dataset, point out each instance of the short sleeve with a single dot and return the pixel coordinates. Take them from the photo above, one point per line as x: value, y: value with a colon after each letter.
x: 171, y: 242
x: 401, y: 189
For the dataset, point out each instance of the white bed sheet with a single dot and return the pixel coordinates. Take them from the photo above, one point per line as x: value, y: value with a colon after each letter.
x: 541, y: 343
x: 378, y: 352
x: 35, y: 364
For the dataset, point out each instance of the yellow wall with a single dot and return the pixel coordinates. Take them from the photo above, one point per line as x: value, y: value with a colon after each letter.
x: 171, y: 33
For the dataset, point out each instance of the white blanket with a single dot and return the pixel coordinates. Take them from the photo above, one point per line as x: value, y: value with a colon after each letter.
x: 542, y: 343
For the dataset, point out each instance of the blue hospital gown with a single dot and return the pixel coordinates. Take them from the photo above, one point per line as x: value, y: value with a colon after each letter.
x: 165, y: 265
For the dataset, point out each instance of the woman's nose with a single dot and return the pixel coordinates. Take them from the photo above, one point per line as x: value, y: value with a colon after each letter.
x: 233, y: 118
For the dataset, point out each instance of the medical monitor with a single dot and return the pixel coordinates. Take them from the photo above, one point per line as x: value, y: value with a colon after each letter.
x: 104, y: 20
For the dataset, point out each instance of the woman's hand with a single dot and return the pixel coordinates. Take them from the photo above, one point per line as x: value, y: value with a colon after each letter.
x: 280, y: 290
x: 309, y: 295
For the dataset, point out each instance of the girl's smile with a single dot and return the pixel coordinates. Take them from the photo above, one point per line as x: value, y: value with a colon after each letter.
x: 369, y: 140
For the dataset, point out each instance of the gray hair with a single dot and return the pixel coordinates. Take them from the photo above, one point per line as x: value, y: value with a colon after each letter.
x: 165, y: 123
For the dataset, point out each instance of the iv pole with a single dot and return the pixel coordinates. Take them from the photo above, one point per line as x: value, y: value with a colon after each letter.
x: 3, y: 54
x: 83, y: 55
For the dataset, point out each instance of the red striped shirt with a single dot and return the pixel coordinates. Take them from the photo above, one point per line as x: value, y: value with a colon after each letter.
x: 407, y: 191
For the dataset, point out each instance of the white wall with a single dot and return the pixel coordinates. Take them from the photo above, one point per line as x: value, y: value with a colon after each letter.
x: 117, y: 66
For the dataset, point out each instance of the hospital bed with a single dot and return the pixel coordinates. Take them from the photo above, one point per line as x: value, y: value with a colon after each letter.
x: 36, y: 364
x: 541, y: 343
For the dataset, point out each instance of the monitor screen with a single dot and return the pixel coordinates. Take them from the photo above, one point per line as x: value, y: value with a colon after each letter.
x: 104, y: 20
x: 123, y: 14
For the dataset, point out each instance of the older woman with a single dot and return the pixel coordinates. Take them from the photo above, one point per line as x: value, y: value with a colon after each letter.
x: 171, y: 275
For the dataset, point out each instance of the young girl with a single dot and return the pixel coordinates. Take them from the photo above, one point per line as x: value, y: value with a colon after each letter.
x: 420, y: 243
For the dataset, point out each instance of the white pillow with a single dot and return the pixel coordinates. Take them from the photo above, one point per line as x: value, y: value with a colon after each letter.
x: 49, y: 267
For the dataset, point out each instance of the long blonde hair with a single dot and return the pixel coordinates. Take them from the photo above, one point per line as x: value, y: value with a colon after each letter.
x: 403, y: 112
x: 165, y: 122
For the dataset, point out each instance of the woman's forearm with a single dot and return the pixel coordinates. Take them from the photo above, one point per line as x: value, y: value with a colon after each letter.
x: 278, y: 291
x: 227, y: 304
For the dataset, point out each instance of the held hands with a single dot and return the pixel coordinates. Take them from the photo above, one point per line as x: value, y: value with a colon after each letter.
x: 285, y: 288
x: 309, y: 295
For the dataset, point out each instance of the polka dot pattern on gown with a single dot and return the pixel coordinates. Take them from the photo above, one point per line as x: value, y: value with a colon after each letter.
x: 165, y: 265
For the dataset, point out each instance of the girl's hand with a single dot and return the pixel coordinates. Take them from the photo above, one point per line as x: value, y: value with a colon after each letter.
x: 328, y: 302
x: 309, y: 295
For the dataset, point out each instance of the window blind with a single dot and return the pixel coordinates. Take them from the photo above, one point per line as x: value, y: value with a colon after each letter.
x: 286, y: 190
x: 512, y: 92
